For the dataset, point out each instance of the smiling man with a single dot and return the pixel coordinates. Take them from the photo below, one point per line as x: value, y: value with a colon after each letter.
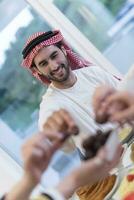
x: 52, y: 63
x: 72, y: 80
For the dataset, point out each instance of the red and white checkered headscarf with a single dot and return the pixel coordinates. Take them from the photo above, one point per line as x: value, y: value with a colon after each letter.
x: 75, y: 60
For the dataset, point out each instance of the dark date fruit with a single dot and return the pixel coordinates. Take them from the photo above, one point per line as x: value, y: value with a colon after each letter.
x: 101, y: 119
x: 93, y: 143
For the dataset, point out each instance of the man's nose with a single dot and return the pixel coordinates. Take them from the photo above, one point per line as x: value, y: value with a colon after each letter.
x: 53, y: 65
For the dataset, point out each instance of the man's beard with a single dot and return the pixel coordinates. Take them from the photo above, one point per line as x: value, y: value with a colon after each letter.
x: 51, y: 77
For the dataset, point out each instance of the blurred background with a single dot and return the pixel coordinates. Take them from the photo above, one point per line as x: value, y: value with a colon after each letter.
x: 99, y: 30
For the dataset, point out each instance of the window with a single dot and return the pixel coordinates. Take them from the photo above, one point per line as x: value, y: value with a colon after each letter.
x: 21, y: 93
x: 109, y: 25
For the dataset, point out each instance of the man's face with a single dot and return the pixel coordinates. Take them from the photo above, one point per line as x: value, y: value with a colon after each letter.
x: 52, y: 63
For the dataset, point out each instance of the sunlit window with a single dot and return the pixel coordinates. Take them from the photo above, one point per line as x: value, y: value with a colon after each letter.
x: 20, y: 93
x: 109, y: 25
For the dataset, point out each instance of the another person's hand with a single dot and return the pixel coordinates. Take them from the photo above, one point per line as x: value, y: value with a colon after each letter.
x: 37, y: 153
x: 99, y: 97
x: 99, y: 167
x: 60, y: 121
x: 120, y: 107
x: 89, y: 172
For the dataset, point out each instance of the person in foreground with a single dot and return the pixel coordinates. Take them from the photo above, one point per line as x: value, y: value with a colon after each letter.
x: 118, y: 105
x: 37, y: 153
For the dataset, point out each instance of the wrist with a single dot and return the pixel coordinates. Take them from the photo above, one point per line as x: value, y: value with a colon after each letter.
x: 68, y: 186
x: 29, y: 180
x: 22, y: 190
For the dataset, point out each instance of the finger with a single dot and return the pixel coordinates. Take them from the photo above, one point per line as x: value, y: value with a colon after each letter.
x: 34, y: 155
x: 97, y: 99
x: 101, y: 94
x: 115, y: 108
x: 36, y: 141
x: 117, y: 157
x: 56, y: 145
x: 102, y: 154
x: 59, y: 120
x: 111, y: 109
x: 117, y: 97
x: 30, y: 143
x: 39, y: 154
x: 69, y: 121
x: 100, y: 159
x: 53, y: 135
x: 51, y: 147
x: 131, y: 122
x: 44, y: 145
x: 125, y: 115
x: 51, y: 124
x: 47, y: 150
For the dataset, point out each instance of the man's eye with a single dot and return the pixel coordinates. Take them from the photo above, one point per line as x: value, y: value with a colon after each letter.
x: 44, y: 64
x: 53, y: 56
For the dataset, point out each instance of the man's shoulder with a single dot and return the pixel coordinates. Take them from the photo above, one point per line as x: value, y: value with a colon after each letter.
x: 50, y: 99
x: 49, y: 94
x: 49, y: 104
x: 92, y: 70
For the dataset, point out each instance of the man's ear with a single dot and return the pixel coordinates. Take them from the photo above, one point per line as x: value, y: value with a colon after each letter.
x: 64, y: 50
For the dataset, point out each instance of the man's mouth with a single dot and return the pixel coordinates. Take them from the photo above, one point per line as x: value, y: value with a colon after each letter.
x: 58, y: 71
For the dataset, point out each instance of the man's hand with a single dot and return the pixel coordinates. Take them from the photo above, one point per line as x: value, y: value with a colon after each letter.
x: 60, y: 121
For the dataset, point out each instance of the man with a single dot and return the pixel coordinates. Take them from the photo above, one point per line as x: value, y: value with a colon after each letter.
x: 51, y: 60
x: 37, y: 153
